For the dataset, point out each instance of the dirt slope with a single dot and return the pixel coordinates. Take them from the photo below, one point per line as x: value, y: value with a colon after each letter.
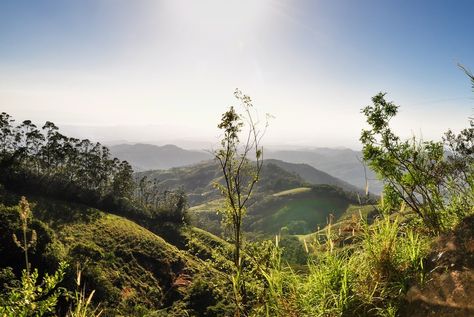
x: 449, y: 290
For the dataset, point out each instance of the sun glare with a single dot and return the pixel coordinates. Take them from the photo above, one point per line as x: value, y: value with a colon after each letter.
x: 221, y: 17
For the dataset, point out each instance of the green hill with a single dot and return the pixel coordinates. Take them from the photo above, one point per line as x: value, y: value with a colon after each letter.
x: 301, y: 210
x: 295, y: 196
x: 298, y: 210
x: 132, y: 270
x: 342, y: 163
x: 313, y: 176
x: 198, y: 180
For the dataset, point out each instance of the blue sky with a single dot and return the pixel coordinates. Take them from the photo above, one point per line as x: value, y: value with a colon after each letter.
x: 171, y: 66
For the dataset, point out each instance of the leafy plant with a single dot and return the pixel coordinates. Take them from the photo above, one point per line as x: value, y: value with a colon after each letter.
x: 390, y: 258
x: 28, y: 297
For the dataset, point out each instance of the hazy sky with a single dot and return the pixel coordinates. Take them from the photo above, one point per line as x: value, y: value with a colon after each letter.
x: 164, y: 70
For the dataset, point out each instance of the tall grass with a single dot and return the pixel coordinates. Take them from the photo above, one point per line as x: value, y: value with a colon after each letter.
x: 82, y: 303
x: 369, y: 278
x: 327, y: 290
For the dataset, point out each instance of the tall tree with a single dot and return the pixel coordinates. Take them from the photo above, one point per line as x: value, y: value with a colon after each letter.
x: 240, y: 175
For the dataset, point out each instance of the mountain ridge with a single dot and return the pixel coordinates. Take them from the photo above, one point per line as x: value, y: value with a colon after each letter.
x: 341, y: 163
x: 144, y: 156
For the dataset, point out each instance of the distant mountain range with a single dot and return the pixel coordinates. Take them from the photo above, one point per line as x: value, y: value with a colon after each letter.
x: 151, y: 157
x: 294, y: 195
x: 198, y: 180
x: 334, y: 166
x: 342, y: 163
x: 312, y: 175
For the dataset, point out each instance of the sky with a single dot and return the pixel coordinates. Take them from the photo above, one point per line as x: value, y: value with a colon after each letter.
x: 164, y: 71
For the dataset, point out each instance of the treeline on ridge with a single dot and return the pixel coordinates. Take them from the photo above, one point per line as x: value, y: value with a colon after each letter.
x: 46, y: 162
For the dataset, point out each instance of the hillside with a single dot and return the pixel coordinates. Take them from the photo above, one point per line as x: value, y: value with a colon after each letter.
x: 298, y: 210
x: 282, y: 197
x: 449, y: 289
x: 198, y: 180
x: 330, y: 163
x: 340, y: 163
x: 314, y: 176
x: 132, y: 270
x: 147, y: 157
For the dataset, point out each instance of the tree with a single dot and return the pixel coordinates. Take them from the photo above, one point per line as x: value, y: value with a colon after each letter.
x: 123, y: 182
x: 6, y: 134
x: 460, y: 149
x: 413, y: 170
x: 417, y: 173
x: 240, y: 176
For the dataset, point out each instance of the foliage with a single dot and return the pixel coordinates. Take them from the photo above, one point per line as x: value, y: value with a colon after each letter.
x: 30, y: 298
x: 27, y: 297
x: 390, y: 258
x: 418, y: 173
x: 300, y: 212
x: 369, y: 279
x: 46, y: 162
x: 128, y: 268
x: 293, y: 251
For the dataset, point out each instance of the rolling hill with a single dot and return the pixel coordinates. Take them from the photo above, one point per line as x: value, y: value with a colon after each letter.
x: 313, y: 176
x: 300, y: 210
x: 341, y: 163
x: 133, y: 271
x: 198, y: 180
x: 296, y: 196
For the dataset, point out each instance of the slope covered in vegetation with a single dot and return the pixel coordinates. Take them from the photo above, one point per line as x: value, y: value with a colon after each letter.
x: 314, y: 176
x: 198, y: 180
x: 131, y: 270
x: 296, y: 211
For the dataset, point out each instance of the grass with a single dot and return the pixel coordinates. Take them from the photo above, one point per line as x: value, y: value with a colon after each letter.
x: 126, y: 264
x: 203, y: 243
x: 132, y: 271
x: 312, y: 212
x: 301, y: 210
x: 210, y: 206
x: 368, y: 280
x: 349, y: 218
x: 293, y: 191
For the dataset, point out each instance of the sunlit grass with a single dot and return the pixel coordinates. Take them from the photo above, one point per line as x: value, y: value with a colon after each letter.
x: 292, y: 191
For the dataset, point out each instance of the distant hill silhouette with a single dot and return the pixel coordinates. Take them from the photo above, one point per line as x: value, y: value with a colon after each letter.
x: 313, y: 176
x: 149, y: 157
x: 198, y: 180
x: 341, y: 163
x: 332, y: 166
